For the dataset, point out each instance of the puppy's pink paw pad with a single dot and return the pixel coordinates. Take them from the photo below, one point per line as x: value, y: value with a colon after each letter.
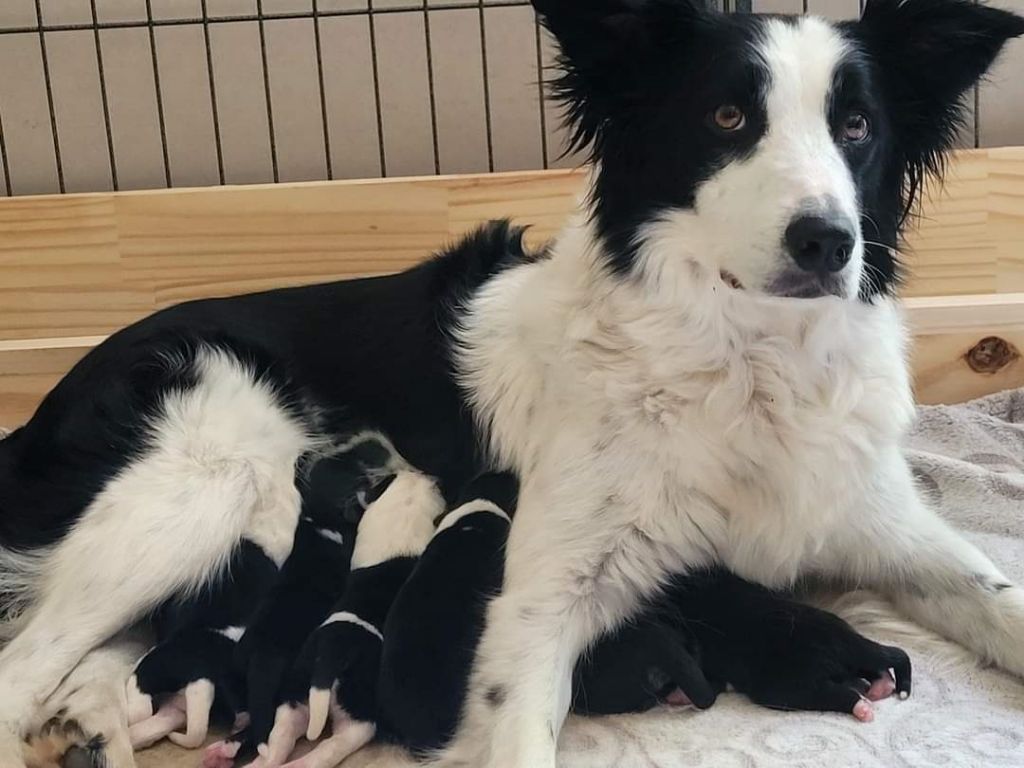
x: 862, y: 711
x: 678, y: 699
x: 881, y: 689
x: 221, y: 754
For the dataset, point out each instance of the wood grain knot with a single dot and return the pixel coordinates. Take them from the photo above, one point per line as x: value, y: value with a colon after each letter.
x: 991, y: 355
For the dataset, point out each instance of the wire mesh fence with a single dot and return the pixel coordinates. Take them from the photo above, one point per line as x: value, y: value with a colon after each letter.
x: 129, y: 94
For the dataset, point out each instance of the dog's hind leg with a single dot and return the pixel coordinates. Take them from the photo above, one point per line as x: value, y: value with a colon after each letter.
x: 87, y: 711
x: 220, y: 466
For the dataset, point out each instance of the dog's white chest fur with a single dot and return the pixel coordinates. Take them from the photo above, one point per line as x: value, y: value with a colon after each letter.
x: 711, y: 426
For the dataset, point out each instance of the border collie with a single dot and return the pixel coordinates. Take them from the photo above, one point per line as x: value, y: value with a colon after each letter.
x: 706, y: 366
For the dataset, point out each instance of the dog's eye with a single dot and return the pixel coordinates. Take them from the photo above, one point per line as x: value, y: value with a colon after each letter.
x: 856, y: 128
x: 729, y: 118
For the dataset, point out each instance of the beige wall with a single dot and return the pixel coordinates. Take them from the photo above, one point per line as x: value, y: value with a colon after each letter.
x: 147, y: 94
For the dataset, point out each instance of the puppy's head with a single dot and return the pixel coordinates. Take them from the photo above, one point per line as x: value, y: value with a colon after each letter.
x: 782, y: 154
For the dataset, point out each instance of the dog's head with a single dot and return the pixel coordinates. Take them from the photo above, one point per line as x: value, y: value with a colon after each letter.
x: 781, y: 153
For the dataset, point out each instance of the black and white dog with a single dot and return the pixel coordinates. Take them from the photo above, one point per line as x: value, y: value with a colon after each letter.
x: 706, y: 366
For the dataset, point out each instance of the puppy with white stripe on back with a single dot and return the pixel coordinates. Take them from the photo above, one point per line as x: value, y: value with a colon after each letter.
x: 335, y: 676
x: 434, y: 625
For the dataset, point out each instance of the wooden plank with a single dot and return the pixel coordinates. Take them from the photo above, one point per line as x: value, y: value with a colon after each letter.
x: 965, y: 347
x: 28, y: 370
x: 81, y: 265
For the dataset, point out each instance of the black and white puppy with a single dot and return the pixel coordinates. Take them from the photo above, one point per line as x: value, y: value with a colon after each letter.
x: 435, y: 623
x: 192, y: 673
x: 335, y: 676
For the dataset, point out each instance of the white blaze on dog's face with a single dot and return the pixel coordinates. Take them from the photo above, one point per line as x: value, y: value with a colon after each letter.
x: 784, y: 218
x: 781, y: 154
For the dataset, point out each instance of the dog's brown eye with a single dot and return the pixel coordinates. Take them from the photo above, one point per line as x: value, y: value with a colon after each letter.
x: 729, y: 118
x: 856, y: 128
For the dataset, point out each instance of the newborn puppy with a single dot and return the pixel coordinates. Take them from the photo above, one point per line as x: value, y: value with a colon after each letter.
x: 191, y: 673
x: 336, y: 673
x: 781, y: 653
x: 434, y: 625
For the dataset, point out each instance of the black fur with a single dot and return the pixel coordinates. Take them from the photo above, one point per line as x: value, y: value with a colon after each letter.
x: 312, y: 579
x: 780, y: 652
x: 637, y: 667
x: 345, y: 654
x: 363, y: 353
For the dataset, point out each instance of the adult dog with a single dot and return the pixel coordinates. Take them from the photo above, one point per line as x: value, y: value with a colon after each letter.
x: 706, y: 367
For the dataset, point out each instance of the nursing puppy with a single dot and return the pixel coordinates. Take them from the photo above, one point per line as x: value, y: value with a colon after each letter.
x: 433, y: 628
x: 335, y: 676
x: 193, y: 672
x: 706, y: 367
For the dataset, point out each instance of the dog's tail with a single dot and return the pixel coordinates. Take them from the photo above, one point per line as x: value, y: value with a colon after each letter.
x: 20, y: 571
x: 21, y: 576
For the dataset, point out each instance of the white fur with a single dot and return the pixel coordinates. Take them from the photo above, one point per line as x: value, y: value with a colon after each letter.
x: 234, y: 634
x: 667, y: 422
x: 333, y: 536
x: 220, y: 467
x: 199, y: 696
x: 400, y: 522
x: 351, y: 618
x: 470, y: 508
x: 93, y: 695
x: 140, y: 705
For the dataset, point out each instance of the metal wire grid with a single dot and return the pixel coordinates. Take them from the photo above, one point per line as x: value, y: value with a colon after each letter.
x: 261, y: 17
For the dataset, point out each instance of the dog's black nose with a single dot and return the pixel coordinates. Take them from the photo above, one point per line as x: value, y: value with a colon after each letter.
x: 820, y: 244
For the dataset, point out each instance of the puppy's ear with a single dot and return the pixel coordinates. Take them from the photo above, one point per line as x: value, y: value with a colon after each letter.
x: 931, y: 53
x: 606, y: 47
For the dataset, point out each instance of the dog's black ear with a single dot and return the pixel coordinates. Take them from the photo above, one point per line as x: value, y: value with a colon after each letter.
x: 606, y: 49
x: 930, y: 54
